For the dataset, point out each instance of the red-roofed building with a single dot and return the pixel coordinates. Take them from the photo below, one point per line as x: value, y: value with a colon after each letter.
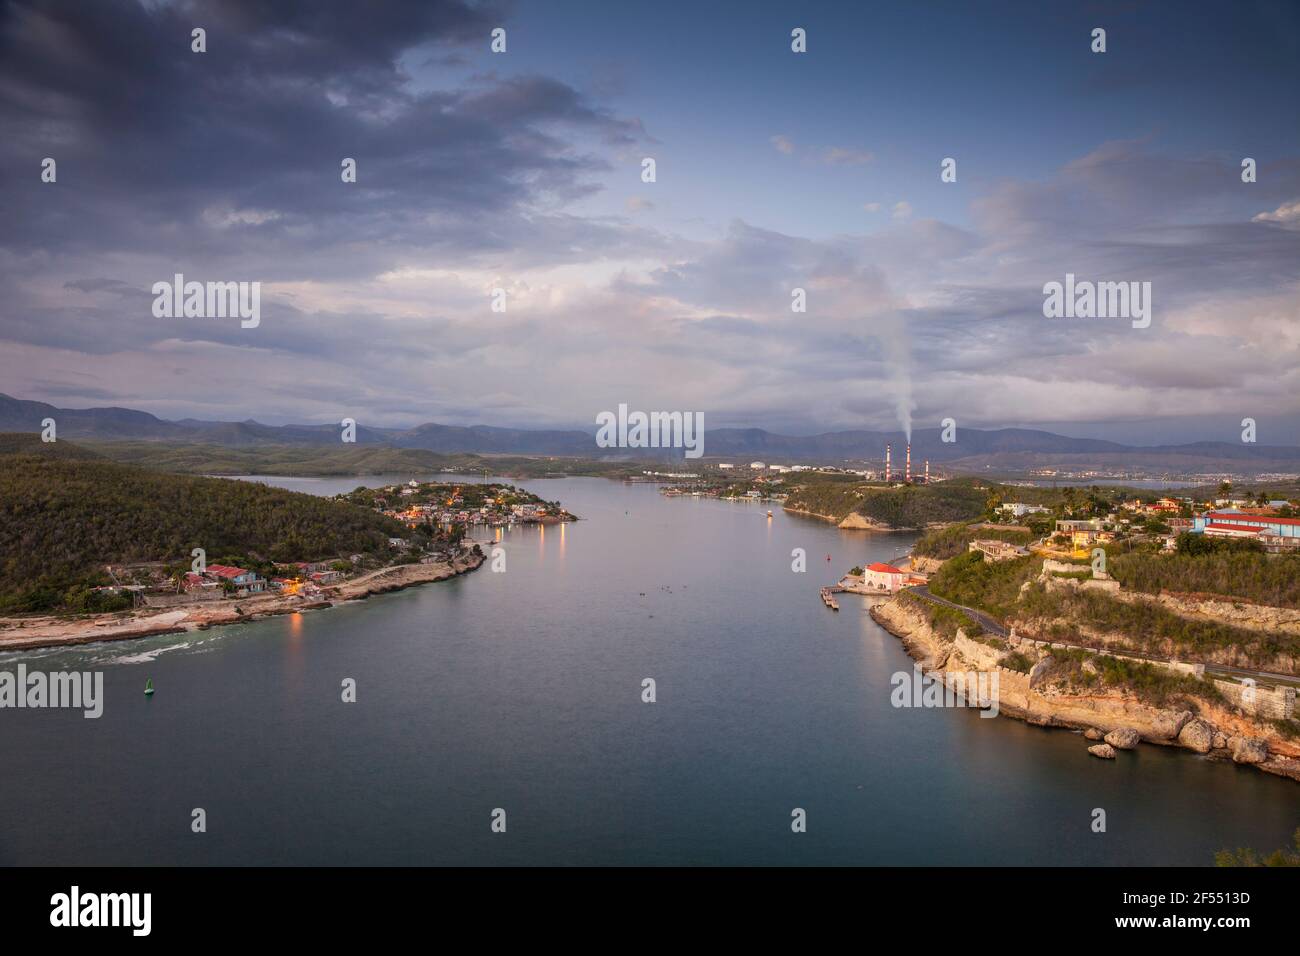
x: 240, y: 578
x: 882, y: 577
x: 1225, y: 530
x: 1224, y: 522
x: 194, y: 582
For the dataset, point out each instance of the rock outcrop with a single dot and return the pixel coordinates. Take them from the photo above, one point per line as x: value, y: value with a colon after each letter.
x: 1197, y: 735
x: 1248, y: 750
x: 1123, y: 738
x: 925, y: 565
x: 858, y: 522
x: 1118, y: 719
x: 1169, y: 724
x: 1039, y: 672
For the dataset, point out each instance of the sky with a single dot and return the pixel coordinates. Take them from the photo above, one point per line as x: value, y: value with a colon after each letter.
x: 774, y: 170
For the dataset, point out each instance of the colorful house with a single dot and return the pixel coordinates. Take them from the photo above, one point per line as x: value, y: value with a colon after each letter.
x: 239, y: 577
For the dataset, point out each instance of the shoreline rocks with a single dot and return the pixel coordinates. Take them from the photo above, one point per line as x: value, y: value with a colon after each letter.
x: 1119, y: 720
x: 1197, y: 735
x: 1248, y: 750
x: 1167, y: 726
x: 25, y: 635
x: 1123, y: 738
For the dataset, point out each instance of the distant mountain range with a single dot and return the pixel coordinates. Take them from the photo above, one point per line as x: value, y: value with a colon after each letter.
x: 1003, y: 449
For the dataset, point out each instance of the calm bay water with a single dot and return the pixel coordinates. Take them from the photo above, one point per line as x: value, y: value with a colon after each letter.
x: 522, y: 691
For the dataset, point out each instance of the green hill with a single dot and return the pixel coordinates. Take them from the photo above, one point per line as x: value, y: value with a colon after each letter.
x: 29, y: 443
x: 338, y: 459
x: 291, y: 460
x: 62, y: 517
x: 907, y: 506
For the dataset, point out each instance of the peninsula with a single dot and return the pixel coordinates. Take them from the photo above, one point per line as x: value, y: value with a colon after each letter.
x: 95, y: 550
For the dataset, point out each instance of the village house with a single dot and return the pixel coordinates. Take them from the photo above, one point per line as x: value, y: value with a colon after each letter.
x: 307, y: 567
x: 197, y: 582
x: 994, y: 550
x: 883, y: 577
x: 1019, y: 509
x: 242, y: 579
x: 1082, y: 533
x: 1164, y: 506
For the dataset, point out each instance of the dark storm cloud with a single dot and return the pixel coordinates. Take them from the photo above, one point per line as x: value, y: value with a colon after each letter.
x: 163, y: 149
x: 225, y: 165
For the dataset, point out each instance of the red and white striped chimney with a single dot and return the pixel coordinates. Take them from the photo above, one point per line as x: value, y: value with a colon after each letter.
x: 907, y: 469
x: 927, y: 471
x: 888, y: 450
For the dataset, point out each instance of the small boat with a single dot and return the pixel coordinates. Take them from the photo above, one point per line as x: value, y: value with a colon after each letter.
x: 769, y: 514
x: 148, y: 687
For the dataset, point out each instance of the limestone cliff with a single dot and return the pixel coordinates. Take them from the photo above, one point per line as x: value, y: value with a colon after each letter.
x: 857, y: 522
x: 1043, y: 697
x: 1255, y: 617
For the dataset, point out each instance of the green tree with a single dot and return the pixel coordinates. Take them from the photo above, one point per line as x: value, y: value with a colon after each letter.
x: 1243, y: 856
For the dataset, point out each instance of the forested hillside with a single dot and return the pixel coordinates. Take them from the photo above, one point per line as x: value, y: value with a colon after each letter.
x: 62, y: 518
x: 905, y: 506
x: 1272, y: 579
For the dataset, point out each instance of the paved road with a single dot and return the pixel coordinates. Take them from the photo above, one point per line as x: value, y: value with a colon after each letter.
x: 979, y: 617
x: 993, y: 627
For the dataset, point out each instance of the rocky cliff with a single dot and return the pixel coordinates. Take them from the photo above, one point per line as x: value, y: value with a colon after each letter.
x: 1267, y: 621
x: 1046, y: 696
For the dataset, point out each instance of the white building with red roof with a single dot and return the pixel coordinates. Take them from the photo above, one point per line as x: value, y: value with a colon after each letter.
x: 883, y: 577
x: 1239, y: 524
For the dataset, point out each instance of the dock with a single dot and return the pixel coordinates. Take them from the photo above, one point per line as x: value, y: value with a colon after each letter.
x: 828, y: 598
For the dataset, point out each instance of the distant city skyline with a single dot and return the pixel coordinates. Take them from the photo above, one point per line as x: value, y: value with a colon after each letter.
x: 775, y: 170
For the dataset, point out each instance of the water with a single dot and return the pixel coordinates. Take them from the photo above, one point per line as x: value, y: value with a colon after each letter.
x: 522, y: 691
x: 1149, y: 484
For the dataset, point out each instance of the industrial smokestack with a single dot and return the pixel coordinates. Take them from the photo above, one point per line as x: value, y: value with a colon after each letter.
x: 907, y: 468
x: 888, y: 449
x: 927, y: 471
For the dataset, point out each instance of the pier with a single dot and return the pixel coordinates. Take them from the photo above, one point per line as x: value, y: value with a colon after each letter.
x: 828, y: 597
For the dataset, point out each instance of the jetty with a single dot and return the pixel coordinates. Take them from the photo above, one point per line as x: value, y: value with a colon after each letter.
x: 828, y: 598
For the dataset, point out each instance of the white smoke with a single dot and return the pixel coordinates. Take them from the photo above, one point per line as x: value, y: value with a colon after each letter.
x: 897, y: 350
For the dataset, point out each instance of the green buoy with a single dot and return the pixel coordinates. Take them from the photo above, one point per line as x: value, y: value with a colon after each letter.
x: 148, y: 687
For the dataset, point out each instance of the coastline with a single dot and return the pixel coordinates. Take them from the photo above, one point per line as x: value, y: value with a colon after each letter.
x: 34, y: 633
x: 850, y: 522
x: 1216, y: 732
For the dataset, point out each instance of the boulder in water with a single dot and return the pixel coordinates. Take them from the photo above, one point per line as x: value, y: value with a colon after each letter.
x: 1197, y: 735
x: 1248, y: 750
x: 1123, y: 738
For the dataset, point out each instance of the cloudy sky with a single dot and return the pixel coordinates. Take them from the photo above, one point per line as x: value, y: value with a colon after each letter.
x: 775, y: 170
